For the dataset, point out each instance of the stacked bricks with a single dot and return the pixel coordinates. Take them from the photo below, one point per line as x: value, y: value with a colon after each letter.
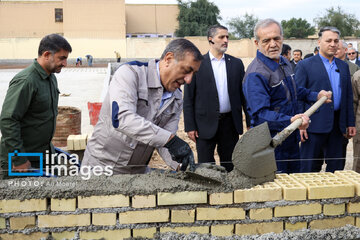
x: 77, y: 142
x: 317, y: 200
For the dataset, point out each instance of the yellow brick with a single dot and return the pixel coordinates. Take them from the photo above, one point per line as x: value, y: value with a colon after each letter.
x: 261, y: 213
x: 144, y: 232
x: 83, y: 141
x: 63, y: 204
x: 2, y: 223
x: 141, y: 201
x: 104, y: 201
x: 22, y: 222
x: 70, y: 142
x: 31, y: 205
x: 351, y: 176
x: 17, y: 236
x: 63, y: 235
x: 77, y: 142
x: 261, y: 193
x: 182, y: 216
x: 145, y: 216
x: 64, y: 220
x: 220, y: 214
x: 186, y: 230
x: 296, y: 226
x: 297, y: 210
x: 334, y: 209
x: 357, y: 222
x: 222, y: 230
x: 292, y: 189
x: 258, y: 228
x: 182, y: 198
x: 108, y: 235
x: 353, y: 207
x: 325, y: 185
x: 221, y: 198
x: 103, y: 219
x: 331, y: 223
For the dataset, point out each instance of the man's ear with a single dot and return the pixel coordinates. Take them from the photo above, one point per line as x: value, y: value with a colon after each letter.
x: 256, y: 43
x: 169, y: 57
x: 46, y: 54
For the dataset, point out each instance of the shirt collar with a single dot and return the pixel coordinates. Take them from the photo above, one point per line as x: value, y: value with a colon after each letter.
x: 214, y: 58
x: 273, y: 65
x: 41, y: 71
x: 326, y: 61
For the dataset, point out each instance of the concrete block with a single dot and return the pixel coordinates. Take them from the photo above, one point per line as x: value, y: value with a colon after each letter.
x: 296, y: 226
x: 110, y: 201
x: 144, y: 201
x: 353, y: 207
x: 63, y: 205
x: 352, y: 177
x: 292, y: 189
x: 2, y: 223
x: 269, y: 191
x: 71, y: 220
x: 222, y: 230
x: 325, y: 185
x: 108, y: 235
x: 297, y: 210
x: 63, y: 235
x: 70, y: 142
x: 77, y: 142
x: 30, y: 205
x: 331, y: 223
x: 221, y: 198
x: 144, y: 232
x: 103, y: 219
x: 20, y: 236
x: 145, y: 216
x: 258, y: 228
x: 261, y: 213
x: 186, y: 230
x: 220, y: 213
x: 182, y: 216
x: 334, y: 209
x: 18, y: 223
x: 180, y: 198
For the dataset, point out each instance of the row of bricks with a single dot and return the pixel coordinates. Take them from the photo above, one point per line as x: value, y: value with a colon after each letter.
x: 222, y: 230
x: 77, y: 142
x: 177, y: 216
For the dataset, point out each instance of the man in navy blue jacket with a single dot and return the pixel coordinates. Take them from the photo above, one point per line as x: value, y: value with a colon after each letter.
x: 323, y: 138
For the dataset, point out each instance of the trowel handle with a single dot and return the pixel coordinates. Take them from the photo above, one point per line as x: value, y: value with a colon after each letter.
x: 281, y: 136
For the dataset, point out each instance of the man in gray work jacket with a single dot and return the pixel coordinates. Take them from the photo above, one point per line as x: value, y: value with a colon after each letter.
x: 141, y: 112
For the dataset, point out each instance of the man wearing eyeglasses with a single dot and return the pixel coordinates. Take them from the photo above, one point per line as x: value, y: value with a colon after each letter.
x: 332, y: 121
x: 352, y: 55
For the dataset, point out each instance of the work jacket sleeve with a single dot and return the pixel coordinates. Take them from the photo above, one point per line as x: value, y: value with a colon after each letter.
x: 258, y: 99
x: 306, y: 95
x: 15, y: 106
x: 124, y: 97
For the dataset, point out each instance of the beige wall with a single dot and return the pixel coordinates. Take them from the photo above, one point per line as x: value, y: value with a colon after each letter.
x: 151, y: 18
x: 28, y: 19
x: 94, y: 19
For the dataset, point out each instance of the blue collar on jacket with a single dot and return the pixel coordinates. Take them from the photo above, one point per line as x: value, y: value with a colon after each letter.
x: 269, y: 62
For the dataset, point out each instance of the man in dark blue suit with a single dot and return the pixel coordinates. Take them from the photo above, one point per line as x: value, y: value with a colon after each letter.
x: 323, y: 138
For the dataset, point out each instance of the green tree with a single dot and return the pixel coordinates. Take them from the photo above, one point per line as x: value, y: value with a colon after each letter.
x: 297, y: 28
x: 196, y: 17
x: 347, y: 23
x: 243, y: 27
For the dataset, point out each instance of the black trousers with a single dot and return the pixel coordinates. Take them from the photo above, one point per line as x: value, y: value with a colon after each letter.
x: 225, y: 138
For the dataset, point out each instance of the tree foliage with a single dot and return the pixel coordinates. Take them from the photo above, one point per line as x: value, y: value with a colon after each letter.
x: 196, y: 17
x: 243, y: 27
x: 347, y: 23
x: 297, y: 28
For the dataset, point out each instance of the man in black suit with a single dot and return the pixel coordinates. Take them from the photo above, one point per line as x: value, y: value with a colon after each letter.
x: 213, y: 101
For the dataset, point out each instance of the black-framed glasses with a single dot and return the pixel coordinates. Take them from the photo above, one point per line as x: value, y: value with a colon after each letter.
x: 351, y: 53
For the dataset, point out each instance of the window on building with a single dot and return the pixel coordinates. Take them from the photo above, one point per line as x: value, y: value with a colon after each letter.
x: 58, y: 15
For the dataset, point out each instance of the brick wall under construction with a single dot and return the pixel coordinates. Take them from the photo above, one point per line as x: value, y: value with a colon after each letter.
x: 291, y: 202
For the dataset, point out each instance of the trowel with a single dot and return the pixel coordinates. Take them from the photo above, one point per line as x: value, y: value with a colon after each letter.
x: 254, y: 153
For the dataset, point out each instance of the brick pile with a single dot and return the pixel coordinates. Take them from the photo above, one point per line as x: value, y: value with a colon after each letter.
x: 291, y: 202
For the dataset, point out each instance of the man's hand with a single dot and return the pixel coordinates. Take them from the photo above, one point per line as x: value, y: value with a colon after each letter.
x: 23, y: 167
x: 181, y: 152
x: 193, y: 135
x: 305, y: 121
x: 303, y: 135
x: 350, y: 132
x: 327, y: 94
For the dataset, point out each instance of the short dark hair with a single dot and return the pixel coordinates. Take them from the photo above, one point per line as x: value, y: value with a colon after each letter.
x: 213, y: 29
x: 285, y: 49
x: 180, y: 47
x: 316, y: 49
x: 298, y: 50
x: 53, y: 43
x: 328, y: 28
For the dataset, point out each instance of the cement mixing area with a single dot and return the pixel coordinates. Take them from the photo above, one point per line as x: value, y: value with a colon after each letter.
x: 206, y: 204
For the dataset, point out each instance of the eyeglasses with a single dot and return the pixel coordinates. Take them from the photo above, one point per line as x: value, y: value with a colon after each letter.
x: 351, y: 53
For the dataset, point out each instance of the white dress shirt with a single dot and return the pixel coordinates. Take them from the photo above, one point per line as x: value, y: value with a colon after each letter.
x: 220, y: 75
